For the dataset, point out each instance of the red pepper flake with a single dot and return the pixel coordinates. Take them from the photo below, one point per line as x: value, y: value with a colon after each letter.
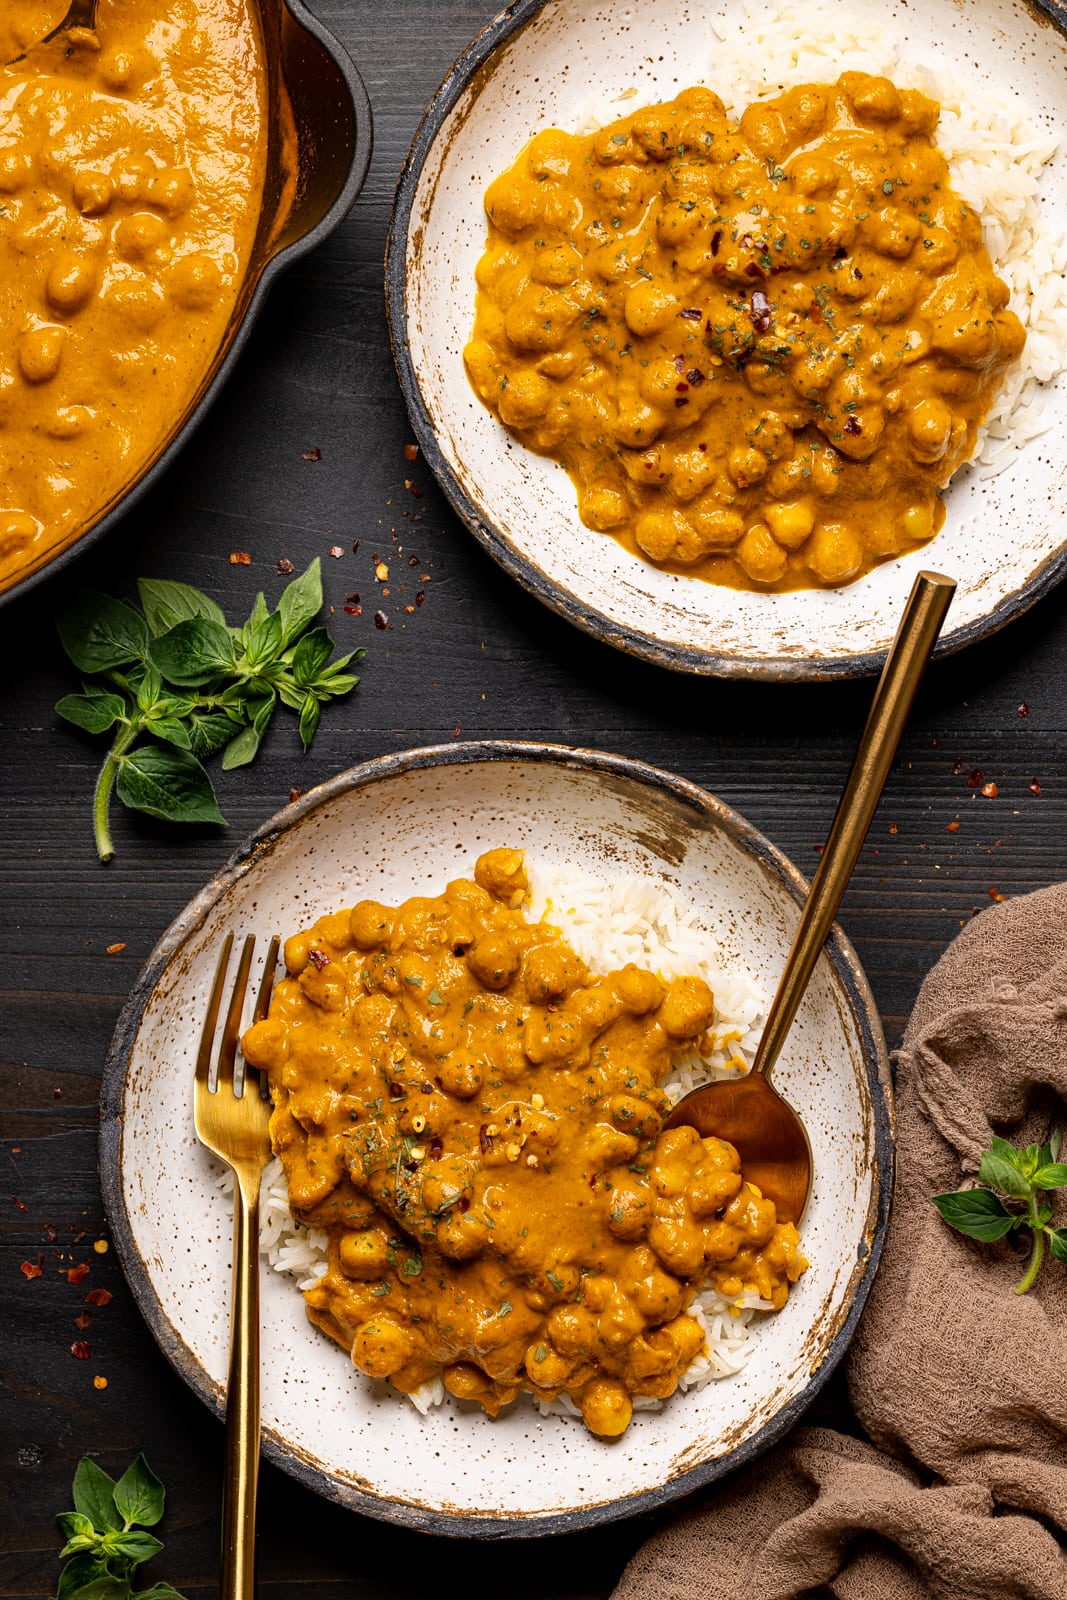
x: 76, y: 1274
x: 976, y: 778
x: 19, y: 1203
x: 352, y: 611
x: 1033, y: 786
x: 355, y: 546
x: 57, y: 1094
x: 381, y: 621
x: 682, y: 400
x: 814, y: 312
x: 295, y: 792
x: 283, y: 566
x: 319, y: 959
x: 420, y: 597
x: 1023, y: 710
x: 990, y: 791
x: 30, y: 1270
x: 457, y: 730
x: 760, y: 313
x: 409, y: 611
x: 716, y: 241
x: 485, y: 1139
x: 679, y: 363
x: 892, y: 827
x: 417, y: 493
x: 312, y: 453
x: 958, y: 768
x: 953, y: 827
x: 113, y: 949
x: 694, y: 377
x: 818, y: 848
x: 240, y: 558
x: 413, y: 561
x: 692, y: 313
x: 337, y: 551
x: 83, y: 1320
x: 853, y: 425
x: 99, y: 1382
x: 99, y: 1297
x: 351, y: 599
x: 411, y: 452
x: 51, y: 1233
x: 995, y: 894
x: 80, y: 1350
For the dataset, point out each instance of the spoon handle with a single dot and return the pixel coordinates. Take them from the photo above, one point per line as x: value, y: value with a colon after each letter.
x: 919, y: 627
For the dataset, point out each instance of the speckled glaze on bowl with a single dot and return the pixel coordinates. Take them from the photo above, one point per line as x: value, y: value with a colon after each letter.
x: 410, y: 823
x: 319, y: 140
x: 541, y: 64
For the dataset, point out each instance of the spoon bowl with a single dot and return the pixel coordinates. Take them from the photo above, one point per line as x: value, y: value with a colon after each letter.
x: 74, y: 31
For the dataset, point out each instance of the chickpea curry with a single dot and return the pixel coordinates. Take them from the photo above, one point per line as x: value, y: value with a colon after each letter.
x: 131, y: 175
x: 759, y: 349
x: 476, y: 1121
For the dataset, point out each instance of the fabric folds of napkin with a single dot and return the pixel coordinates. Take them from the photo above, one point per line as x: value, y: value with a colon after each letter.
x: 960, y: 1383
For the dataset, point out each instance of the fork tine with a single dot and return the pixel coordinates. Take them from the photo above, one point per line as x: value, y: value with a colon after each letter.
x: 207, y: 1038
x: 266, y: 989
x: 228, y: 1047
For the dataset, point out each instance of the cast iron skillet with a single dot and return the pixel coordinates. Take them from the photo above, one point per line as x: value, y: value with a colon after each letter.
x: 318, y: 151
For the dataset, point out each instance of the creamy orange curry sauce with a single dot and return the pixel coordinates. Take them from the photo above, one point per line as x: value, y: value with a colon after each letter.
x: 131, y: 173
x: 759, y: 349
x: 476, y: 1121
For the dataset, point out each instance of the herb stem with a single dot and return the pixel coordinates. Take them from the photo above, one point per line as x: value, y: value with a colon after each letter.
x: 1037, y: 1255
x: 127, y: 733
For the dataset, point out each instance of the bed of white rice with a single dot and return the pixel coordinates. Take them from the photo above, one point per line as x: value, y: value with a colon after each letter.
x: 608, y: 924
x: 995, y: 149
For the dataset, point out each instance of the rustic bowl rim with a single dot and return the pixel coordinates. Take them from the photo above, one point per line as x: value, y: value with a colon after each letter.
x: 264, y: 276
x: 644, y: 646
x: 258, y: 846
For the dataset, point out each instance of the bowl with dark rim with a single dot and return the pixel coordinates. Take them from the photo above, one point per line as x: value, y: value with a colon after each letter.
x: 407, y: 824
x: 539, y: 65
x: 319, y: 140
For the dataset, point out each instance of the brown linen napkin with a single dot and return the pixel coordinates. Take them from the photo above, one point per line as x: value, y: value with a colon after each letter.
x: 961, y: 1383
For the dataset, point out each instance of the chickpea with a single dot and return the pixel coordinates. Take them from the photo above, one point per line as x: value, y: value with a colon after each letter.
x: 633, y: 1115
x: 483, y: 368
x: 637, y: 424
x: 18, y: 530
x: 606, y: 1146
x: 138, y: 236
x: 557, y: 267
x: 875, y: 99
x: 639, y: 991
x: 620, y: 1322
x: 692, y: 473
x: 804, y: 110
x: 494, y: 960
x: 141, y: 305
x: 70, y: 422
x: 369, y: 925
x: 93, y: 192
x: 462, y: 1235
x: 508, y: 206
x: 687, y: 1009
x: 679, y: 1245
x: 918, y: 523
x: 460, y: 1076
x: 764, y: 129
x: 834, y: 554
x: 16, y: 169
x: 195, y: 281
x: 813, y: 175
x: 930, y: 427
x: 266, y: 1044
x: 629, y: 1208
x: 170, y: 191
x: 603, y: 509
x: 40, y: 353
x: 760, y: 556
x: 363, y: 1255
x: 550, y: 971
x: 606, y: 1407
x: 524, y: 398
x: 717, y: 528
x: 667, y: 536
x: 711, y: 1190
x: 124, y: 69
x: 790, y: 523
x: 747, y: 466
x: 546, y: 1368
x: 893, y: 232
x: 649, y: 308
x: 380, y: 1347
x: 71, y: 282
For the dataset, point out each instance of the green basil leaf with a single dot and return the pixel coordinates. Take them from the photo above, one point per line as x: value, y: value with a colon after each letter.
x: 192, y: 652
x: 290, y: 693
x: 158, y: 1591
x: 75, y: 1524
x: 166, y: 604
x: 301, y: 602
x: 241, y: 748
x: 167, y: 783
x: 172, y: 729
x: 1053, y: 1176
x: 94, y: 1496
x: 139, y: 1497
x: 80, y: 1574
x: 1030, y: 1160
x: 96, y: 710
x: 136, y: 1546
x: 311, y: 655
x: 328, y: 688
x: 1001, y: 1174
x: 80, y: 1544
x: 149, y: 689
x: 978, y: 1213
x: 260, y: 613
x: 264, y: 641
x: 1001, y: 1147
x: 99, y: 633
x: 1053, y: 1146
x: 1057, y: 1241
x: 309, y: 719
x: 209, y: 731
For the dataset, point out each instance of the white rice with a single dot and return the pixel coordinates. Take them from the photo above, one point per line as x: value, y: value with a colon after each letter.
x: 995, y: 150
x: 608, y: 924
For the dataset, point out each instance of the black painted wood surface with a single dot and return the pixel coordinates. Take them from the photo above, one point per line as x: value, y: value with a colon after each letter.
x: 478, y: 658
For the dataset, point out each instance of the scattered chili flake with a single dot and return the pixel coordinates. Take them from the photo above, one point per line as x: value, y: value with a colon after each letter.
x: 29, y: 1270
x: 99, y: 1297
x: 692, y: 313
x: 50, y: 1233
x: 1023, y: 709
x: 681, y: 400
x: 319, y: 959
x: 1033, y: 786
x: 892, y: 827
x: 80, y: 1350
x: 958, y: 768
x: 113, y: 949
x: 240, y: 558
x: 694, y: 377
x: 853, y: 425
x: 284, y: 566
x: 818, y: 848
x: 381, y: 572
x: 76, y: 1274
x: 975, y: 778
x: 716, y: 241
x: 953, y: 827
x: 337, y: 551
x: 351, y: 599
x: 83, y: 1320
x: 409, y: 611
x: 99, y: 1382
x: 457, y: 730
x: 295, y: 792
x: 411, y: 452
x: 19, y: 1203
x: 994, y: 893
x: 312, y: 453
x: 57, y: 1094
x: 355, y: 546
x: 380, y: 619
x: 760, y: 311
x: 413, y: 561
x: 100, y: 1246
x: 352, y: 611
x: 485, y: 1139
x: 990, y: 790
x: 420, y: 597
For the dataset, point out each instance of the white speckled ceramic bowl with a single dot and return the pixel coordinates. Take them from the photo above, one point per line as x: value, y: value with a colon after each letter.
x: 540, y: 64
x: 410, y: 823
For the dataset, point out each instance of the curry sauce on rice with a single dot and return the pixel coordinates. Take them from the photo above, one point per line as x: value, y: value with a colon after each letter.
x: 473, y: 1119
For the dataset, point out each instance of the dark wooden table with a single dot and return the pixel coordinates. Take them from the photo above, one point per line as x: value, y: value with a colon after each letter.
x: 479, y: 659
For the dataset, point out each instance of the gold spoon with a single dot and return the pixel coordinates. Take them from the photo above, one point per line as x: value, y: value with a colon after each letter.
x: 767, y: 1133
x: 77, y: 25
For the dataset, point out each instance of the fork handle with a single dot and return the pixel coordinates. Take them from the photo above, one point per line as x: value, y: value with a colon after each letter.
x: 242, y: 1403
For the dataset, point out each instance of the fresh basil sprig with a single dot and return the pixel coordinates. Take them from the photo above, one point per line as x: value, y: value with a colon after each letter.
x: 104, y: 1546
x: 1018, y: 1182
x: 176, y: 673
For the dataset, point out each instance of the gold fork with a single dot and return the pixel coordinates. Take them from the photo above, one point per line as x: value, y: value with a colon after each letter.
x: 233, y: 1126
